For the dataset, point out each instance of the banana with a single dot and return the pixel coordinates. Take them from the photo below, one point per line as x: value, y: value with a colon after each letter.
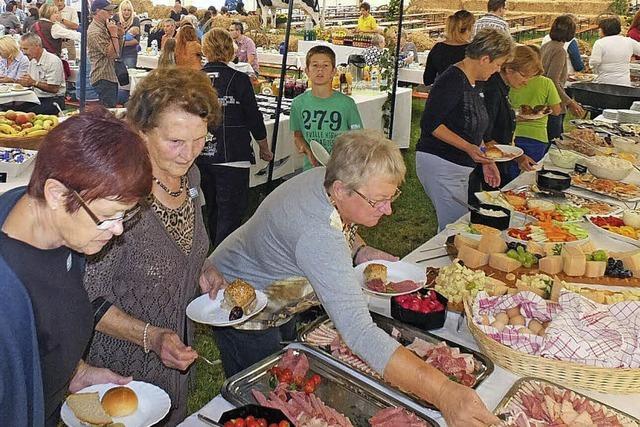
x: 47, y: 124
x: 39, y: 132
x: 55, y: 121
x: 5, y: 128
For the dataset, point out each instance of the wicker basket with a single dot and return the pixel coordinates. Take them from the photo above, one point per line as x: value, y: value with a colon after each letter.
x: 26, y: 142
x: 605, y: 380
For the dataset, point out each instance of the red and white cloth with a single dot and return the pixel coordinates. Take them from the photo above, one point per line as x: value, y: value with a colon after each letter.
x: 580, y: 331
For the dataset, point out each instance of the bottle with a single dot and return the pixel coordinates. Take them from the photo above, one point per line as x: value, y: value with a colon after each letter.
x: 154, y: 47
x: 366, y: 73
x: 349, y: 77
x: 344, y: 86
x: 308, y: 26
x: 335, y: 83
x: 375, y: 84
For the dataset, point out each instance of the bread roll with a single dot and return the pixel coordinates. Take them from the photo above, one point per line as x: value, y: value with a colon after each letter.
x: 375, y: 271
x: 494, y: 152
x: 86, y: 407
x: 120, y: 401
x: 240, y: 294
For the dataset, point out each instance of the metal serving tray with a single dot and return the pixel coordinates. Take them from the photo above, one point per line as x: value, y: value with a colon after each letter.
x: 342, y: 388
x: 407, y: 335
x: 625, y: 419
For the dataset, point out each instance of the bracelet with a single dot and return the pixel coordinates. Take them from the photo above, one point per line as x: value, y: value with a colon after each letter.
x: 355, y: 254
x: 144, y: 339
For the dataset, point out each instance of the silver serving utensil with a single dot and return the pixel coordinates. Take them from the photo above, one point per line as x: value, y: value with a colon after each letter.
x: 463, y: 203
x: 209, y: 421
x: 434, y: 248
x: 432, y: 258
x: 61, y: 113
x: 209, y: 362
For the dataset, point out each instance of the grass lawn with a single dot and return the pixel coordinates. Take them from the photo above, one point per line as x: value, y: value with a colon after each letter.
x: 413, y: 222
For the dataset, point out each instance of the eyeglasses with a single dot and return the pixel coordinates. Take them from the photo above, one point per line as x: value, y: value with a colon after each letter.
x: 377, y: 204
x: 106, y: 224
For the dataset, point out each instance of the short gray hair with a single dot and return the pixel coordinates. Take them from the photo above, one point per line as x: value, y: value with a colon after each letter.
x: 492, y: 43
x: 360, y: 154
x: 377, y: 40
x: 32, y: 38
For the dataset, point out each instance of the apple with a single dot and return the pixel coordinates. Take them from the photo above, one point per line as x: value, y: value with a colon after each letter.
x: 21, y: 119
x: 11, y: 115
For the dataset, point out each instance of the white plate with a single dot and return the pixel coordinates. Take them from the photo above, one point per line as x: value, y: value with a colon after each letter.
x: 205, y: 310
x: 611, y: 234
x: 510, y: 151
x: 526, y: 242
x: 531, y: 116
x: 396, y: 272
x: 153, y: 405
x: 319, y: 152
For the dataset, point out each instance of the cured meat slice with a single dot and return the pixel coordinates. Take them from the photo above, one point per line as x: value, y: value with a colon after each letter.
x: 376, y: 285
x: 396, y: 417
x: 404, y: 286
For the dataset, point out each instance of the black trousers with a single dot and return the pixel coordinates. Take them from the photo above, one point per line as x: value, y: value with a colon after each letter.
x: 241, y: 349
x: 45, y: 107
x: 226, y: 192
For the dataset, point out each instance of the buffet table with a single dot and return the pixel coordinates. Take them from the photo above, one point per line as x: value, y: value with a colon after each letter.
x: 19, y: 96
x: 294, y: 59
x: 411, y: 75
x: 498, y: 383
x: 343, y: 52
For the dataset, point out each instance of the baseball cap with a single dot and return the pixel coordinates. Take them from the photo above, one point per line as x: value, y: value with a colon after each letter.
x: 102, y: 4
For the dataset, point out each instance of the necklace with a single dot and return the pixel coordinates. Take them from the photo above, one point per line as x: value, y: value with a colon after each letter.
x: 183, y: 182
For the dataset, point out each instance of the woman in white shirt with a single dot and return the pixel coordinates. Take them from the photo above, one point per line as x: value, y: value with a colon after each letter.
x: 51, y: 31
x: 612, y: 53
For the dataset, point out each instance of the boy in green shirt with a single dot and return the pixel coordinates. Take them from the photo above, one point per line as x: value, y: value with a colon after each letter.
x: 531, y: 135
x: 321, y: 114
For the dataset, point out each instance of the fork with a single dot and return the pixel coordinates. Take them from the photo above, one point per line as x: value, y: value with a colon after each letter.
x: 209, y: 362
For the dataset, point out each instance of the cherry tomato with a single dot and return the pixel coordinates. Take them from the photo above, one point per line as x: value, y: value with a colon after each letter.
x: 316, y: 379
x: 250, y: 418
x: 229, y: 424
x: 309, y: 387
x: 262, y: 422
x: 284, y: 424
x: 299, y: 381
x: 286, y: 376
x: 239, y: 422
x: 252, y: 423
x: 273, y: 425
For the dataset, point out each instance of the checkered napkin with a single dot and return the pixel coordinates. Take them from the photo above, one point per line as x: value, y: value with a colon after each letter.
x: 581, y: 331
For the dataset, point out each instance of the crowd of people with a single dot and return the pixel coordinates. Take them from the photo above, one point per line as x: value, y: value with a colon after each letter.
x: 112, y: 221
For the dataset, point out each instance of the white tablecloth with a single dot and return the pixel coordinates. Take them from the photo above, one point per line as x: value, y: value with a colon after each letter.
x: 20, y: 96
x: 343, y: 52
x: 496, y: 385
x: 293, y: 59
x: 147, y: 61
x: 411, y: 75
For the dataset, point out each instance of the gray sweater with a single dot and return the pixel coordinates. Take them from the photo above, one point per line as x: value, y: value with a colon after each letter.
x: 291, y: 235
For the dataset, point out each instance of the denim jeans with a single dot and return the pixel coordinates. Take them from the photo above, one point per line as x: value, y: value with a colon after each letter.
x: 107, y: 92
x: 532, y: 148
x: 555, y: 126
x: 226, y: 192
x: 130, y: 60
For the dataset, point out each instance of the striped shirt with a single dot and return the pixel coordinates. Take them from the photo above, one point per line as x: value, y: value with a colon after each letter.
x: 98, y: 41
x: 491, y: 21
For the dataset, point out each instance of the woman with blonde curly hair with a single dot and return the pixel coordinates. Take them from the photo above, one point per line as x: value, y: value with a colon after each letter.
x: 188, y: 50
x: 148, y: 278
x: 226, y: 159
x: 130, y: 23
x: 13, y: 63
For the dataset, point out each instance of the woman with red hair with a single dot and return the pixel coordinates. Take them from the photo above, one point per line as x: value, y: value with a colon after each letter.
x: 188, y: 49
x: 89, y: 176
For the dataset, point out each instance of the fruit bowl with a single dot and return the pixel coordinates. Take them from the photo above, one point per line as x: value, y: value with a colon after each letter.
x: 423, y: 320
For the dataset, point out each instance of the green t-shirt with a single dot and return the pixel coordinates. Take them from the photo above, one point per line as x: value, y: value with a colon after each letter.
x: 323, y: 119
x: 539, y: 90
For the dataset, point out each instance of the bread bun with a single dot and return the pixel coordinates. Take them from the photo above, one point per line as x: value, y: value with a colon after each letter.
x: 375, y: 271
x: 120, y: 401
x: 494, y: 152
x: 86, y: 407
x: 240, y: 294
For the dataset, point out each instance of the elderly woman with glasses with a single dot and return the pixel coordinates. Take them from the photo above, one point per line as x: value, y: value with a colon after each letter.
x: 308, y: 227
x: 148, y: 278
x: 89, y: 175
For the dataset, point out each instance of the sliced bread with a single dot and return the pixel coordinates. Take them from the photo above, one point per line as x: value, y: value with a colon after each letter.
x: 87, y: 408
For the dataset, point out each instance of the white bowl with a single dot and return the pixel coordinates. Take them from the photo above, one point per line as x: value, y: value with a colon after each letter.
x: 625, y: 145
x: 609, y: 167
x: 5, y: 88
x: 564, y: 159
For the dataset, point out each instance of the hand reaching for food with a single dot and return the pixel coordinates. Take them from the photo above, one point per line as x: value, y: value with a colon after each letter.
x: 211, y: 280
x: 462, y: 407
x: 87, y: 375
x: 171, y: 350
x: 526, y: 163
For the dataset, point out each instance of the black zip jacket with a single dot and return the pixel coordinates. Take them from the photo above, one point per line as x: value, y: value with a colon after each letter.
x: 231, y: 141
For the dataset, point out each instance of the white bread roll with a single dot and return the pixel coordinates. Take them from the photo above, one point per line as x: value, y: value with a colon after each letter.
x: 86, y: 407
x: 120, y: 401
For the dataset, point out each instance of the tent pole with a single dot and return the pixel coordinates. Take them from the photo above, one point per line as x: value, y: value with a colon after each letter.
x: 84, y: 22
x: 394, y: 90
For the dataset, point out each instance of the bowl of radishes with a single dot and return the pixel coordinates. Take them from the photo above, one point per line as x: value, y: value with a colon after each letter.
x: 425, y: 309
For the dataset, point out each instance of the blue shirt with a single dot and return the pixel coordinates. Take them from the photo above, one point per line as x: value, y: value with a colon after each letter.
x: 18, y: 68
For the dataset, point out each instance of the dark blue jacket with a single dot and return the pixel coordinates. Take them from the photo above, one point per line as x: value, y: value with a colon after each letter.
x: 21, y: 397
x: 231, y: 141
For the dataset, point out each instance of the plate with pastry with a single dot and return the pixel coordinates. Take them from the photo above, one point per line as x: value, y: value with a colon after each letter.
x: 502, y: 153
x: 527, y: 112
x: 236, y: 304
x: 389, y: 278
x: 137, y: 404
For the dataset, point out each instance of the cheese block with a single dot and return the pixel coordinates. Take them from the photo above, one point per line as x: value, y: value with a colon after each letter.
x: 492, y: 243
x: 551, y: 264
x: 587, y: 247
x: 461, y: 240
x: 472, y: 258
x: 574, y: 262
x: 632, y: 262
x: 502, y: 262
x: 536, y: 248
x: 595, y: 268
